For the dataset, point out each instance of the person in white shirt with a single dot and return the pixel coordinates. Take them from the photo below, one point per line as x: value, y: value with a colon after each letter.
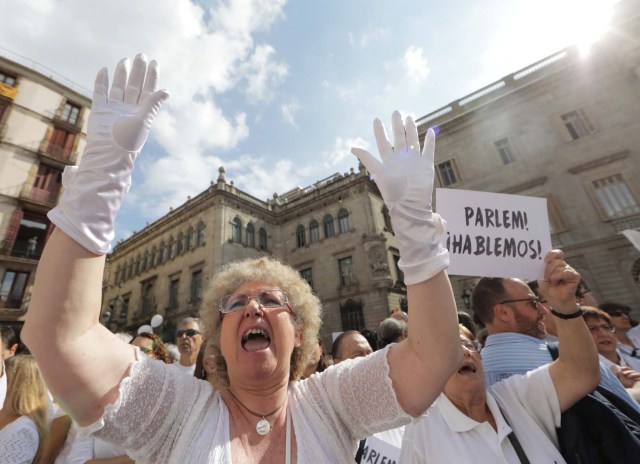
x: 518, y: 416
x: 189, y: 340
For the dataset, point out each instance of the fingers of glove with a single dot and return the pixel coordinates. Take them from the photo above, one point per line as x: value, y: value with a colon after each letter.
x: 411, y: 133
x: 152, y: 104
x: 399, y: 136
x: 429, y: 148
x: 384, y: 146
x: 136, y: 79
x: 366, y: 158
x: 101, y: 87
x: 120, y: 77
x: 151, y: 81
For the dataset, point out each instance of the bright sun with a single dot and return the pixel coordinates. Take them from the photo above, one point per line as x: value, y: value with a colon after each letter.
x: 587, y: 21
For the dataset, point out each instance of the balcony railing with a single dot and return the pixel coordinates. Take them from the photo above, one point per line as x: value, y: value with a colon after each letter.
x: 41, y: 196
x: 22, y: 250
x: 8, y: 91
x: 60, y: 152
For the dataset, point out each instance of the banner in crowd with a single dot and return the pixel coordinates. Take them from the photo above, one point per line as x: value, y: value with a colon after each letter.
x: 494, y: 234
x: 633, y: 236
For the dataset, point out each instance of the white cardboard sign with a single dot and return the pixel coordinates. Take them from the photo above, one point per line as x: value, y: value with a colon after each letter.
x: 494, y: 234
x: 633, y: 236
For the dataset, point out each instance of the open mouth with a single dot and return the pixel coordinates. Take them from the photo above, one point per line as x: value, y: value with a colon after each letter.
x: 255, y: 340
x: 467, y: 368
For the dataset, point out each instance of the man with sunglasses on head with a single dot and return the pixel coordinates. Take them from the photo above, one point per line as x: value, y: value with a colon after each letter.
x: 189, y: 340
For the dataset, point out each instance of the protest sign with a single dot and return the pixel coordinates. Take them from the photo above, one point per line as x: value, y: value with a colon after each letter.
x: 494, y: 234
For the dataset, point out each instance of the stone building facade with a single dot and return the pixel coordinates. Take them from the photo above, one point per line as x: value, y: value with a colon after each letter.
x: 566, y: 129
x: 42, y: 130
x: 335, y: 232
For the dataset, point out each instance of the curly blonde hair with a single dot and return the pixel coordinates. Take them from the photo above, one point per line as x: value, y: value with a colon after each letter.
x: 305, y: 306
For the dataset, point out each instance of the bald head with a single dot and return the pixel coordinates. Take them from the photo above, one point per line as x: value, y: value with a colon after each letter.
x: 349, y: 345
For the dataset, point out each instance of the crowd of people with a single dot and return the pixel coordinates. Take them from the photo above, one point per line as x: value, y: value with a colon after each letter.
x: 251, y: 381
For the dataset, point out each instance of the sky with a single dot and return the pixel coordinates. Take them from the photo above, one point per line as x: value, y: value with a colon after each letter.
x: 278, y: 91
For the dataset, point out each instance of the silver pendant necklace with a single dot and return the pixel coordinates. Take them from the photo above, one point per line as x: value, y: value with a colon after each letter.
x: 263, y: 427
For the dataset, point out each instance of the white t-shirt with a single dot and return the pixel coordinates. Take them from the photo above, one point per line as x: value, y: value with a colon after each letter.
x: 19, y: 441
x: 189, y: 370
x: 446, y: 435
x: 3, y: 385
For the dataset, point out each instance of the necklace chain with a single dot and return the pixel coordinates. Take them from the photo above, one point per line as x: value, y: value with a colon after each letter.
x: 263, y: 416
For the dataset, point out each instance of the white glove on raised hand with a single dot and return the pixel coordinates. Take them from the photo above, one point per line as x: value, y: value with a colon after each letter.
x: 405, y: 179
x: 117, y: 129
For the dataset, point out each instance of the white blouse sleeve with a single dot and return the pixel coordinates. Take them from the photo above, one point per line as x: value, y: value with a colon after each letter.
x: 360, y: 393
x: 154, y: 406
x: 20, y: 445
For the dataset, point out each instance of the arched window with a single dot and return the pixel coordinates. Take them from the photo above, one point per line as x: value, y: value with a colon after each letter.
x: 314, y: 231
x: 329, y: 231
x: 200, y: 234
x: 301, y: 238
x: 262, y: 239
x: 251, y: 236
x: 236, y: 230
x: 180, y: 244
x: 352, y: 315
x: 189, y: 239
x: 170, y: 248
x: 343, y: 221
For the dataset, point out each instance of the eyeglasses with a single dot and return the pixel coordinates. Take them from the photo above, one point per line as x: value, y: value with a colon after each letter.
x: 268, y: 299
x: 471, y: 345
x: 188, y: 332
x: 605, y: 327
x: 534, y: 301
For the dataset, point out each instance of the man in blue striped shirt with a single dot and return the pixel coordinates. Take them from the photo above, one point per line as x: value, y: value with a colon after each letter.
x: 516, y: 344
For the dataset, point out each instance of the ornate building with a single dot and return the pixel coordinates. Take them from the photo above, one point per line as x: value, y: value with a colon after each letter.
x: 42, y: 130
x: 335, y: 232
x: 566, y: 128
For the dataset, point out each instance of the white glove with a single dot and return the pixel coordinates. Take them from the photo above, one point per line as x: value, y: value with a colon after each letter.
x: 405, y: 179
x: 117, y: 129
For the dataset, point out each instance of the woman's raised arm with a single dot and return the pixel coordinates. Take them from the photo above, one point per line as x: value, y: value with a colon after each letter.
x: 82, y: 362
x: 421, y: 364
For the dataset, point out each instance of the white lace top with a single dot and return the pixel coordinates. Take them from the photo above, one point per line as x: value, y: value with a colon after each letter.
x: 19, y: 441
x: 164, y: 416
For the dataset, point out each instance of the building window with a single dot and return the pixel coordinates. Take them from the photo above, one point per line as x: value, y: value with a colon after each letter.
x: 577, y: 124
x: 343, y: 221
x: 251, y: 236
x: 506, y: 151
x: 196, y: 285
x: 145, y: 261
x: 148, y: 298
x: 189, y: 239
x: 161, y: 254
x: 314, y: 231
x: 345, y: 268
x: 200, y: 234
x: 124, y: 309
x: 130, y: 269
x: 301, y: 238
x: 30, y: 237
x: 399, y: 273
x: 262, y: 238
x: 174, y: 286
x: 155, y: 258
x: 170, y: 248
x: 387, y: 219
x: 447, y: 173
x: 70, y: 114
x: 137, y: 268
x: 352, y: 315
x: 180, y: 244
x: 306, y: 275
x: 615, y: 197
x: 236, y: 230
x: 7, y: 79
x: 329, y: 231
x: 12, y: 290
x: 61, y: 143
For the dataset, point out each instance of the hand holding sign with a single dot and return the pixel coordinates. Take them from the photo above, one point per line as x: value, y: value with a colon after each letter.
x: 405, y: 179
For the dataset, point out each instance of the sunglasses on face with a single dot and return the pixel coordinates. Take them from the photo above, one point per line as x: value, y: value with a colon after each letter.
x: 534, y: 301
x: 188, y: 332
